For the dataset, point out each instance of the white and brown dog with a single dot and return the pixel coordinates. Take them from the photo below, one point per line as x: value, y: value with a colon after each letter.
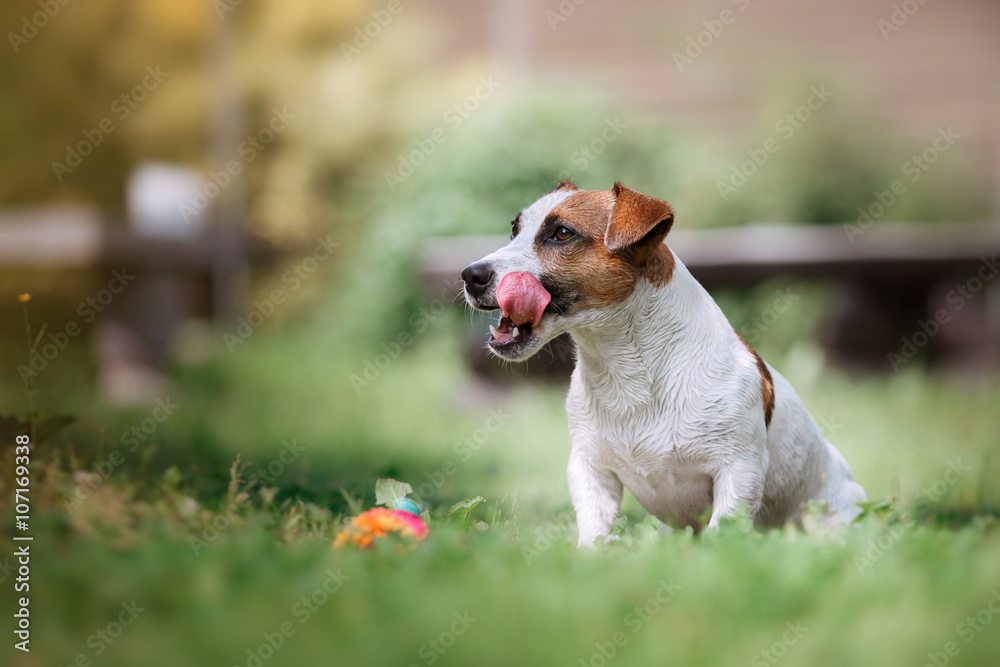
x: 666, y: 398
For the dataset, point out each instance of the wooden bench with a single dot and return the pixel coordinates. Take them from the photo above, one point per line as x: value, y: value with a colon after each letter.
x: 895, y: 275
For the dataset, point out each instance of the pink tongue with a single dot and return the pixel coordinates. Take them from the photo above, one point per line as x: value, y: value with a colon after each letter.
x: 522, y: 297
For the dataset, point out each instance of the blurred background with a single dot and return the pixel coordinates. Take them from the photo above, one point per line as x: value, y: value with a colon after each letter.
x: 241, y: 225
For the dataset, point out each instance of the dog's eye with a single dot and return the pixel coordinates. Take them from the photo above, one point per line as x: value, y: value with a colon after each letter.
x: 562, y: 234
x: 513, y: 229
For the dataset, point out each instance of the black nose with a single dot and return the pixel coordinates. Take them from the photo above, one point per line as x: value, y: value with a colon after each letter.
x: 477, y: 276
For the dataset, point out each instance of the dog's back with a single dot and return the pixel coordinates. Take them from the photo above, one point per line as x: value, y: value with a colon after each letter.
x: 803, y: 465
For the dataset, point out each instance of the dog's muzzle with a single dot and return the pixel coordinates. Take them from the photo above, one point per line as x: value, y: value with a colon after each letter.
x: 521, y: 299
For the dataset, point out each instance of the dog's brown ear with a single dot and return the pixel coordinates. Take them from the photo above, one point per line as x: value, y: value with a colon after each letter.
x: 565, y: 185
x: 637, y: 220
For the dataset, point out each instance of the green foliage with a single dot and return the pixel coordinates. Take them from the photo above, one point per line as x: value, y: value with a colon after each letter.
x: 45, y: 427
x: 837, y: 160
x: 217, y: 566
x: 460, y: 511
x: 388, y: 491
x: 216, y: 591
x: 514, y: 149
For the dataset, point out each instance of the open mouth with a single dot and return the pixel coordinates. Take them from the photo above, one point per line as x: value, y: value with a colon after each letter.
x: 506, y: 334
x: 522, y: 300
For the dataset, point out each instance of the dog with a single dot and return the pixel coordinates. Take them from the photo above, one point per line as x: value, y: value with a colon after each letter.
x: 666, y: 398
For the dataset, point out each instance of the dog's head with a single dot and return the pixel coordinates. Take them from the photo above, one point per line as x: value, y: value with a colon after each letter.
x: 572, y: 255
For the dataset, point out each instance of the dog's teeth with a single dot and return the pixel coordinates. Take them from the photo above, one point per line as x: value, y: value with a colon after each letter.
x: 515, y: 334
x: 494, y: 331
x: 503, y: 312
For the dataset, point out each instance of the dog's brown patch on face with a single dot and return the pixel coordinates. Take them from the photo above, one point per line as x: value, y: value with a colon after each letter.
x: 583, y: 266
x: 766, y: 383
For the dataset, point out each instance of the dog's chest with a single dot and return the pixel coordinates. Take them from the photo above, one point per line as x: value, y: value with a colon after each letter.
x: 644, y: 447
x: 671, y: 479
x: 651, y: 446
x: 658, y: 451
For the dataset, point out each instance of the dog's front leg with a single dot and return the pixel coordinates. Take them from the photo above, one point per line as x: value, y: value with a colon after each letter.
x: 736, y: 483
x: 597, y: 497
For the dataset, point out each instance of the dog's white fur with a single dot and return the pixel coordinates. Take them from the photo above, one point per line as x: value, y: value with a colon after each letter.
x: 666, y: 401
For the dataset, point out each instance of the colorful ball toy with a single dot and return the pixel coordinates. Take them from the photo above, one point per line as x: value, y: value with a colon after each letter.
x: 379, y: 523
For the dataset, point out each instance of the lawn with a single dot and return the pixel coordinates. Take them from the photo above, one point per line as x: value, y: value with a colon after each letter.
x: 180, y: 556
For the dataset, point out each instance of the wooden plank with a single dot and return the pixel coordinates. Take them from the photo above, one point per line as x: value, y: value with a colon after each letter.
x: 757, y: 252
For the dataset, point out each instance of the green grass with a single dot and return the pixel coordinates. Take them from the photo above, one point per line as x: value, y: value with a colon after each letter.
x: 882, y: 593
